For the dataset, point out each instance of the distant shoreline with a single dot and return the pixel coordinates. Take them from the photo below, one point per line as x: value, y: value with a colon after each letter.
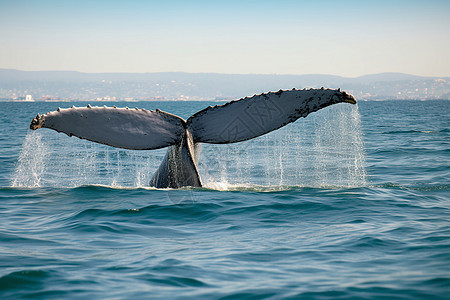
x: 179, y: 86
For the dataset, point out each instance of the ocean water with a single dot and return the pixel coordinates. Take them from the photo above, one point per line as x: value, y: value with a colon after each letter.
x: 350, y: 203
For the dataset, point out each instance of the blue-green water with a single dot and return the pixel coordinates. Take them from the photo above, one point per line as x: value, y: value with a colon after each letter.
x: 352, y: 202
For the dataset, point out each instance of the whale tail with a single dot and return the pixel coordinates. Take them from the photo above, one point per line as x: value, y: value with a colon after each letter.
x: 137, y: 129
x: 248, y: 118
x: 141, y: 129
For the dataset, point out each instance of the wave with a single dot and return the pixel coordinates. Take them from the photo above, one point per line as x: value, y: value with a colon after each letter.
x: 227, y: 187
x: 91, y: 241
x: 417, y: 187
x: 416, y: 131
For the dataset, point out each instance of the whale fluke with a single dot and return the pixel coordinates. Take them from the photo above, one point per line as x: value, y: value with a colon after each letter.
x: 248, y: 118
x: 232, y: 122
x: 117, y: 127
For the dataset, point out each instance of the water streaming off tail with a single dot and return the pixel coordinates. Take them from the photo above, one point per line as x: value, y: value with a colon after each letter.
x: 50, y: 159
x: 325, y: 149
x: 32, y: 162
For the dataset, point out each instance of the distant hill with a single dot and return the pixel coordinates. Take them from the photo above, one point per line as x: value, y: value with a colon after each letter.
x: 71, y: 85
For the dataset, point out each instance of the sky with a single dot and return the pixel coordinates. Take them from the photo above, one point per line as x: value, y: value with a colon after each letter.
x: 345, y: 38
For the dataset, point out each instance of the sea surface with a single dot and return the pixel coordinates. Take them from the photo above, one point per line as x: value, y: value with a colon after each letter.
x: 352, y: 202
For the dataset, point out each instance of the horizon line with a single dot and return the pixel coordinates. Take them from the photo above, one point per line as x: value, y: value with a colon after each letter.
x: 218, y: 73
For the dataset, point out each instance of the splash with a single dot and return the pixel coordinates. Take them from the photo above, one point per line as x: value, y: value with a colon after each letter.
x: 339, y: 156
x: 324, y: 150
x: 49, y: 159
x: 32, y: 162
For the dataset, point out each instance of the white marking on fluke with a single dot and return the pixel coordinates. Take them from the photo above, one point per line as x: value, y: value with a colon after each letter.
x: 232, y: 122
